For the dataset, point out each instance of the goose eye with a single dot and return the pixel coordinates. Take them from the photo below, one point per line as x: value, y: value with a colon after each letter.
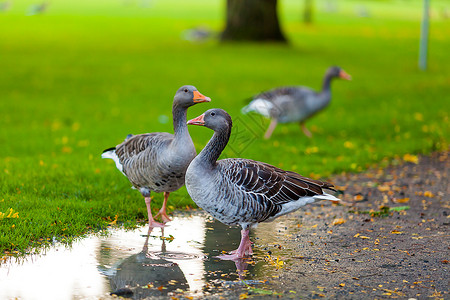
x: 213, y: 114
x: 186, y: 90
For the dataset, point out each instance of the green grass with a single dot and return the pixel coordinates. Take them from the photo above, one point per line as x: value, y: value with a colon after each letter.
x: 79, y: 78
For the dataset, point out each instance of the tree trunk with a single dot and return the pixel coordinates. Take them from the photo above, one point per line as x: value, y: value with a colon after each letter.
x: 252, y: 20
x: 308, y: 11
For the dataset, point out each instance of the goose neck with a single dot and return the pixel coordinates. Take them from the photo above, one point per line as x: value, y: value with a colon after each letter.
x: 179, y: 115
x: 210, y: 154
x: 327, y: 83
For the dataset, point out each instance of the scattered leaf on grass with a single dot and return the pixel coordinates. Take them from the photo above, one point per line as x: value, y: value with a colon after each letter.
x: 114, y: 221
x: 396, y: 232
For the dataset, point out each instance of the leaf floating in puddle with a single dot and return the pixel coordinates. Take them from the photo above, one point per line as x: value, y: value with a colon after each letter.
x: 169, y: 238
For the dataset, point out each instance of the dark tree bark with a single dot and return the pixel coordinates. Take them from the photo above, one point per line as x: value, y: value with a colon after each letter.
x: 252, y: 20
x: 308, y: 11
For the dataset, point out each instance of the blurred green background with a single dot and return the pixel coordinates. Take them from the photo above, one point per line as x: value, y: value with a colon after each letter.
x: 77, y: 76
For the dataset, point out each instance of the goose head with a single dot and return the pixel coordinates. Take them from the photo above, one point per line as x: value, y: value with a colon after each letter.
x: 188, y: 95
x: 336, y: 71
x: 216, y: 119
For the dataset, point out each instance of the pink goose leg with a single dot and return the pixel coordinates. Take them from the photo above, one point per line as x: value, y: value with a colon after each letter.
x: 245, y: 248
x: 165, y: 218
x: 151, y: 221
x: 272, y: 125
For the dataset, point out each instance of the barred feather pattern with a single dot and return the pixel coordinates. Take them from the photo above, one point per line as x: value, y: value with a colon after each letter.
x: 249, y: 192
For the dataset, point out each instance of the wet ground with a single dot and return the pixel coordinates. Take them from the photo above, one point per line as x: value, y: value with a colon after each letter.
x: 177, y: 261
x: 390, y: 239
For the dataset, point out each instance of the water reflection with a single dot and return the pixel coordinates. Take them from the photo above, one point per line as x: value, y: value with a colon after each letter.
x: 146, y: 274
x: 178, y: 259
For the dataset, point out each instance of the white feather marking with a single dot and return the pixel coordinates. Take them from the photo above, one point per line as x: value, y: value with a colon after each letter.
x: 294, y: 205
x: 259, y: 106
x: 326, y: 196
x: 112, y: 155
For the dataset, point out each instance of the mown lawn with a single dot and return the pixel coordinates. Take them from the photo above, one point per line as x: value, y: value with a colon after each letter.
x: 80, y: 77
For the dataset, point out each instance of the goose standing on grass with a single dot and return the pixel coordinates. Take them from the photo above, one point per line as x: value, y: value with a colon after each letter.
x: 158, y: 161
x: 244, y: 192
x: 294, y: 103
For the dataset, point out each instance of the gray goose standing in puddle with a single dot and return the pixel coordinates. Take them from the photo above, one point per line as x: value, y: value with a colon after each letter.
x: 158, y: 161
x: 244, y: 192
x: 294, y: 103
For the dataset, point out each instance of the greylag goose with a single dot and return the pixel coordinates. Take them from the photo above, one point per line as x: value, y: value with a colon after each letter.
x: 158, y: 161
x: 294, y: 103
x: 244, y: 192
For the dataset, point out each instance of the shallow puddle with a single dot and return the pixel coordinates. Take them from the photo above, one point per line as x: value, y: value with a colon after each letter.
x: 177, y: 260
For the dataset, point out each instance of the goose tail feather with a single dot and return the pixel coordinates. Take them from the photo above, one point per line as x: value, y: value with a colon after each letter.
x: 260, y: 106
x: 326, y: 196
x: 111, y: 153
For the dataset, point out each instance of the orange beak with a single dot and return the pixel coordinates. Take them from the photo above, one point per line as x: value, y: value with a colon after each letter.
x: 199, y: 98
x: 197, y: 121
x: 344, y: 75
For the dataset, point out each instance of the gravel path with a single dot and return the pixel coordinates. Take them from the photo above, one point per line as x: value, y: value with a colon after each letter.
x: 389, y: 240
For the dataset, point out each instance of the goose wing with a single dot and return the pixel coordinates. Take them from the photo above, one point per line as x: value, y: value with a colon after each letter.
x: 296, y: 92
x: 135, y: 145
x: 264, y: 182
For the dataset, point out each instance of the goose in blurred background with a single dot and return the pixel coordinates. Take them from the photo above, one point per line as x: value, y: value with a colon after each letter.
x: 244, y: 192
x: 294, y: 103
x: 5, y: 6
x: 37, y: 8
x: 158, y: 161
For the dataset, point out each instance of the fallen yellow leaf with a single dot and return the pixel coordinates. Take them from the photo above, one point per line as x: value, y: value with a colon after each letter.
x: 358, y: 197
x: 403, y: 200
x: 428, y: 194
x: 339, y: 221
x: 384, y: 188
x: 411, y: 158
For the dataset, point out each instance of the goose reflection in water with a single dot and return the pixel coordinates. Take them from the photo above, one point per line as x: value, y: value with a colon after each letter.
x: 186, y: 264
x: 147, y: 274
